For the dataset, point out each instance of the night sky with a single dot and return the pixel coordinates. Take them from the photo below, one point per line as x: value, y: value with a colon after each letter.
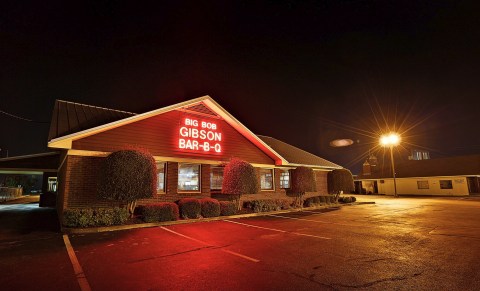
x: 305, y: 72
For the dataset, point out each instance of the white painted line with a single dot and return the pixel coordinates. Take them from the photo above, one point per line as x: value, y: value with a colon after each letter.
x: 82, y: 280
x: 187, y: 237
x: 277, y: 230
x: 276, y: 215
x: 318, y: 213
x: 241, y: 256
x: 210, y: 245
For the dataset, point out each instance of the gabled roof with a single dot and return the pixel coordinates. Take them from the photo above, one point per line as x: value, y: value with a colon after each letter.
x: 296, y: 156
x: 209, y: 107
x: 450, y: 166
x: 69, y: 117
x: 282, y: 153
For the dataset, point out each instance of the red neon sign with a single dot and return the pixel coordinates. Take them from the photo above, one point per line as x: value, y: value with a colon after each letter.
x: 199, y: 135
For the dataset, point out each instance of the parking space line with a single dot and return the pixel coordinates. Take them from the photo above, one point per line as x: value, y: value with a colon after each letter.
x: 210, y: 245
x: 277, y: 230
x: 318, y: 213
x: 241, y: 256
x: 77, y: 268
x: 294, y: 218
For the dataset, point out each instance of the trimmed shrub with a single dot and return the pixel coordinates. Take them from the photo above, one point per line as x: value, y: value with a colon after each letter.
x: 227, y: 208
x: 266, y: 205
x: 189, y: 208
x: 313, y: 201
x: 120, y: 215
x: 128, y: 175
x: 323, y: 199
x: 210, y: 207
x: 85, y: 217
x: 340, y: 180
x: 303, y: 180
x: 239, y: 177
x: 347, y: 199
x: 166, y: 211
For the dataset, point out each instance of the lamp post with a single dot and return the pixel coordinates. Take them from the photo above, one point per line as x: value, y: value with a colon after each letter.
x: 392, y: 139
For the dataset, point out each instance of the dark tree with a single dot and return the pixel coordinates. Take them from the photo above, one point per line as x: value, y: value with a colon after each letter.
x: 128, y: 175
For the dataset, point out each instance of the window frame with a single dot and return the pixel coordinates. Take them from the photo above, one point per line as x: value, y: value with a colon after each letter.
x: 289, y: 179
x: 449, y: 182
x: 272, y: 171
x: 164, y: 191
x: 199, y: 179
x: 211, y: 173
x: 419, y: 187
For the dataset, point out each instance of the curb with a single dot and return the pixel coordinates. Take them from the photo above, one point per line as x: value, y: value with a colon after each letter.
x: 68, y: 230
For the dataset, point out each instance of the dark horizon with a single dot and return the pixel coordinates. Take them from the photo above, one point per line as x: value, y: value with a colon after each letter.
x: 306, y: 73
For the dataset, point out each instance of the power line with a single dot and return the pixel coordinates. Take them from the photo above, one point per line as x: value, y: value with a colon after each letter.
x: 21, y: 118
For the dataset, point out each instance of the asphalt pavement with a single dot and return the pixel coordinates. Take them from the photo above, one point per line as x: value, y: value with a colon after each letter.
x: 401, y: 243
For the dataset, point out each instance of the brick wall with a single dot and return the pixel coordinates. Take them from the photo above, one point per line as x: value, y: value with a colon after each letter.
x: 78, y: 180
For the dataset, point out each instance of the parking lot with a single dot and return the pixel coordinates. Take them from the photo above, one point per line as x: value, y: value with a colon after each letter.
x: 402, y: 244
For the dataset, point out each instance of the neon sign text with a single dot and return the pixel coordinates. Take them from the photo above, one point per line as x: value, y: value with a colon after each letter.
x: 199, y: 136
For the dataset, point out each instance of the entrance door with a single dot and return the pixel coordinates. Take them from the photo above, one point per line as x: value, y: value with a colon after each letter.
x: 473, y: 185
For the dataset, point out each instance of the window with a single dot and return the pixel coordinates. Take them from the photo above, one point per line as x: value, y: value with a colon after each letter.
x: 285, y: 179
x: 161, y: 177
x: 266, y: 179
x: 189, y: 177
x: 422, y: 185
x: 52, y: 184
x: 446, y: 184
x: 216, y: 178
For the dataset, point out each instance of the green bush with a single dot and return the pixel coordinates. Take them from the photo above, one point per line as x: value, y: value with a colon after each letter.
x: 239, y: 177
x: 128, y: 175
x: 189, y: 208
x: 166, y: 211
x: 266, y: 205
x: 85, y: 217
x: 340, y: 180
x: 227, y: 208
x: 309, y: 202
x: 314, y: 201
x: 210, y: 207
x: 347, y: 199
x: 303, y: 180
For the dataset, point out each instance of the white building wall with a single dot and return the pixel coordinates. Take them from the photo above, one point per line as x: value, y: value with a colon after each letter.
x: 409, y: 186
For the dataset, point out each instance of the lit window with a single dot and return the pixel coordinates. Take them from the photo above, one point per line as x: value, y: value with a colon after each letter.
x: 266, y: 179
x: 189, y: 177
x: 285, y: 179
x: 160, y: 177
x: 216, y: 178
x: 52, y: 184
x: 446, y: 184
x: 422, y: 185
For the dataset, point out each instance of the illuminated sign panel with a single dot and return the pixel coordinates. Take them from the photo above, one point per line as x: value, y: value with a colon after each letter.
x: 199, y: 135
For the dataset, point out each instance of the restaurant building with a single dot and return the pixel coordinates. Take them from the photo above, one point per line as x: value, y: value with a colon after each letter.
x: 190, y: 141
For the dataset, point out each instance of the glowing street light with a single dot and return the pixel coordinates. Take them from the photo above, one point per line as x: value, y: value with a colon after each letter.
x: 392, y: 139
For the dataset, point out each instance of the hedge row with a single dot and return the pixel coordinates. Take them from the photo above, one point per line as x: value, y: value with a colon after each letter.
x: 318, y: 200
x: 166, y: 211
x: 85, y: 217
x: 266, y: 205
x: 187, y: 208
x: 347, y: 199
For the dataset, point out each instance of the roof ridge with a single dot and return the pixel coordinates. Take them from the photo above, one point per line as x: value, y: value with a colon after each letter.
x: 93, y: 106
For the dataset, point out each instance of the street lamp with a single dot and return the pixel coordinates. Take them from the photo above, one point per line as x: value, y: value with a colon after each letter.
x: 392, y: 139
